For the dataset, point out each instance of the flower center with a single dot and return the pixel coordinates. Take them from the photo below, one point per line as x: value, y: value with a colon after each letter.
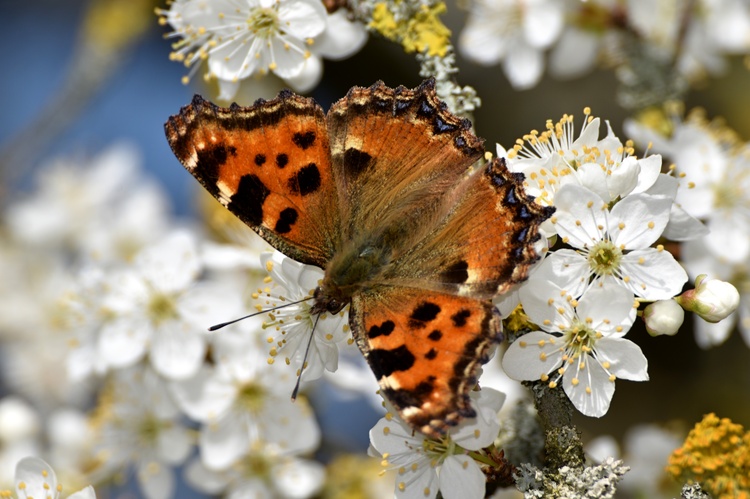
x: 263, y: 22
x: 604, y: 258
x: 580, y: 339
x: 161, y: 307
x: 727, y: 195
x: 149, y: 429
x: 251, y: 397
x: 256, y: 466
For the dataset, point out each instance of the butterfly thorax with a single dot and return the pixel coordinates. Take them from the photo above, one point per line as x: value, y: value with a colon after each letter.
x: 356, y: 267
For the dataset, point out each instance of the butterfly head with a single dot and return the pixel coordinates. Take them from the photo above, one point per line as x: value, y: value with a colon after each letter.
x: 328, y: 301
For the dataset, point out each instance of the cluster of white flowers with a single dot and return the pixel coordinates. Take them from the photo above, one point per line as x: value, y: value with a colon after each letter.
x: 239, y: 39
x: 713, y: 168
x: 611, y: 210
x: 120, y: 311
x: 516, y: 33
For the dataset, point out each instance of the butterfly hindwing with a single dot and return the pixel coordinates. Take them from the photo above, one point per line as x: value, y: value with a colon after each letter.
x: 425, y: 349
x: 269, y: 164
x: 485, y: 243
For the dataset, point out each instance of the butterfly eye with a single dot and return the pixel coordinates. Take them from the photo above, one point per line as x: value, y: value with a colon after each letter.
x: 335, y: 306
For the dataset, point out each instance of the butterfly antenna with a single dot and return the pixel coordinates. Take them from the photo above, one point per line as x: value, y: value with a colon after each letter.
x: 304, y: 360
x: 219, y: 326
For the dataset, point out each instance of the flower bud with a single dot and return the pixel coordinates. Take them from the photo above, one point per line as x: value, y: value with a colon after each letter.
x: 663, y: 317
x: 712, y: 299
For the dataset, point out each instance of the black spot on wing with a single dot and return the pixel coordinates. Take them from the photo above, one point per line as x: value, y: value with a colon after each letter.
x: 459, y: 318
x: 356, y: 161
x: 209, y: 163
x: 435, y: 335
x: 282, y: 160
x: 403, y: 398
x: 304, y: 140
x: 287, y: 218
x: 422, y: 314
x: 456, y: 273
x: 431, y: 354
x: 384, y: 329
x: 306, y: 180
x: 247, y: 202
x: 386, y: 362
x: 260, y: 159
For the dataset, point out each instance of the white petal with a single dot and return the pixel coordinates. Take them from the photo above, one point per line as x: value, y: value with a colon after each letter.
x: 204, y: 479
x: 730, y: 236
x: 37, y: 478
x: 642, y: 218
x: 625, y: 358
x: 228, y: 256
x: 421, y: 483
x: 461, y: 478
x: 708, y: 335
x: 156, y: 480
x: 523, y: 65
x: 122, y: 342
x: 236, y: 61
x: 650, y: 171
x: 607, y: 309
x: 342, y: 37
x: 298, y: 478
x: 288, y: 56
x: 542, y: 23
x: 581, y: 215
x: 574, y: 54
x: 480, y: 42
x: 174, y: 444
x: 653, y: 274
x: 682, y: 226
x: 227, y: 89
x: 177, y: 350
x: 533, y: 355
x: 223, y: 441
x: 479, y: 432
x: 86, y: 493
x: 204, y: 396
x: 303, y: 18
x: 290, y: 425
x: 623, y: 178
x: 546, y: 304
x: 172, y: 264
x: 593, y: 177
x: 566, y: 269
x: 394, y: 438
x: 594, y: 402
x: 309, y: 77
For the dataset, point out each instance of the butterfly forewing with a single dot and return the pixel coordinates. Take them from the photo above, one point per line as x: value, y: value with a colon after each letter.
x: 395, y: 153
x: 269, y: 164
x: 425, y: 349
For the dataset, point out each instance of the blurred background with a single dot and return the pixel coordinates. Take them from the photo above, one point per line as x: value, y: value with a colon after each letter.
x: 70, y: 92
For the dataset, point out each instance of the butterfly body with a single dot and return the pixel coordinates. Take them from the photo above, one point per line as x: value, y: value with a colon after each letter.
x: 382, y: 194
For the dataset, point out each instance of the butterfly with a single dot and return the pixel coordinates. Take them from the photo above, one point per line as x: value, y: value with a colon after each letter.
x: 381, y: 193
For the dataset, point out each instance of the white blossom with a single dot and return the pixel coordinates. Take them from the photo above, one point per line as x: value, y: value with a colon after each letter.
x: 35, y: 478
x: 612, y: 247
x: 581, y: 344
x: 243, y: 401
x: 141, y: 428
x: 242, y: 38
x: 427, y: 466
x: 513, y: 32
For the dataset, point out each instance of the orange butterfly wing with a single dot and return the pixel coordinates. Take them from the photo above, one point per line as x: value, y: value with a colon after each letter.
x: 270, y: 165
x: 425, y: 349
